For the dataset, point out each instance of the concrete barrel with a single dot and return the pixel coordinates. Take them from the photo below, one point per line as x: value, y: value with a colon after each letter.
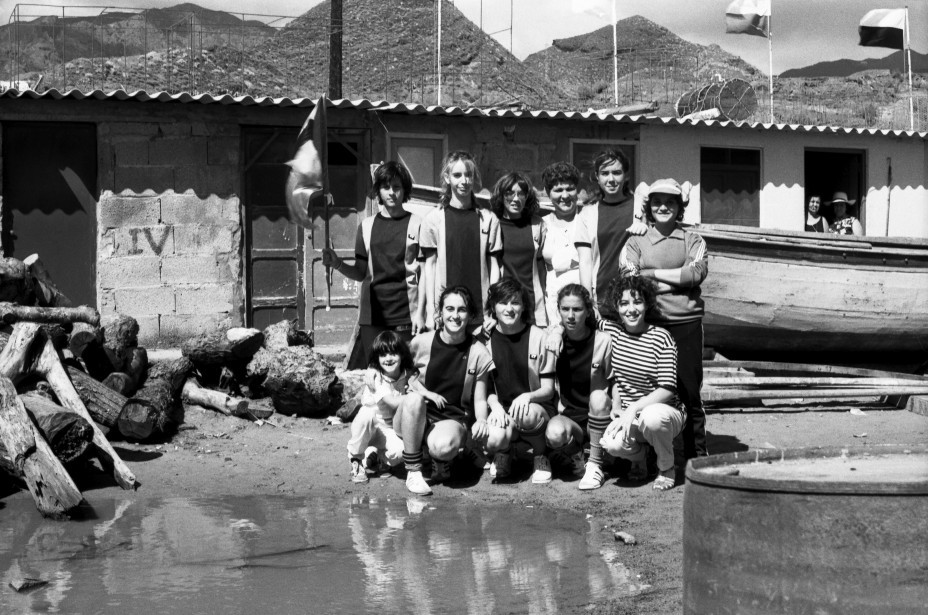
x: 814, y: 531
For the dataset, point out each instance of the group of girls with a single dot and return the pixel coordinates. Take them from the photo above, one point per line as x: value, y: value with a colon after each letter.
x: 565, y: 354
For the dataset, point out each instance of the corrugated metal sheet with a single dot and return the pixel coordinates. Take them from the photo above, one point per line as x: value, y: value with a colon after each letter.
x: 417, y: 109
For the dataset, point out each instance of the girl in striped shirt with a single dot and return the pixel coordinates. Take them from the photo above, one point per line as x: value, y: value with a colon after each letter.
x: 645, y: 408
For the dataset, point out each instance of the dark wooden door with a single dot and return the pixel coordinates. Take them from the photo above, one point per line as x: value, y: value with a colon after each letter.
x: 273, y: 245
x: 50, y: 201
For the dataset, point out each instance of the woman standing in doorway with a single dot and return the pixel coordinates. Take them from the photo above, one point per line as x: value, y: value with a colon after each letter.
x: 815, y: 221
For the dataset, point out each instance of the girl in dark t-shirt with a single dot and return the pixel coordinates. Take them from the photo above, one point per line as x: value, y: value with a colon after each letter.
x: 515, y: 204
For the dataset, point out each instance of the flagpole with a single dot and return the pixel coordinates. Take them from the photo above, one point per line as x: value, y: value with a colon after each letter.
x: 438, y: 67
x: 908, y: 51
x: 615, y: 54
x: 770, y: 56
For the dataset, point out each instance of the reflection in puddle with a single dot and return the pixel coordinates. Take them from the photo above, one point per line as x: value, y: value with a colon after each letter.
x: 299, y: 555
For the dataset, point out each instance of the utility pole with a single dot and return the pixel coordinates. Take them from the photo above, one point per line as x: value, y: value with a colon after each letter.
x: 335, y: 50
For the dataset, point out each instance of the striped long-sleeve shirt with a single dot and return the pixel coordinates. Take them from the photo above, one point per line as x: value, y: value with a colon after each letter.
x: 642, y: 363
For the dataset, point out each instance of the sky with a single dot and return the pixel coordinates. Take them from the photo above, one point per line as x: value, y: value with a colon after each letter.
x: 804, y: 31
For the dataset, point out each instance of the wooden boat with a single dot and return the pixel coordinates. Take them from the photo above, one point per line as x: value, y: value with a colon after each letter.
x: 796, y: 292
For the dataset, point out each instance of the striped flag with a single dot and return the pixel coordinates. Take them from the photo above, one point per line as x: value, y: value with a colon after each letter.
x: 883, y: 28
x: 748, y: 17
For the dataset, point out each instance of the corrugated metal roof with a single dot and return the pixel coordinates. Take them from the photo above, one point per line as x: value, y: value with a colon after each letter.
x: 435, y: 110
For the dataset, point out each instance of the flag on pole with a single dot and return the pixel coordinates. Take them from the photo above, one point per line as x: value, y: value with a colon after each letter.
x: 883, y: 28
x: 748, y: 17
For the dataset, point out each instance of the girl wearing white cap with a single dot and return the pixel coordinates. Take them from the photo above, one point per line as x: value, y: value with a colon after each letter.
x: 676, y: 260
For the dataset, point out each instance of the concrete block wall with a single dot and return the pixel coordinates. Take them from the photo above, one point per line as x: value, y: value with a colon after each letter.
x: 170, y: 227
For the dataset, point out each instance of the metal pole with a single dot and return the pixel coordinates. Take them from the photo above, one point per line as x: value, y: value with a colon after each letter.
x: 615, y: 54
x: 908, y: 50
x: 770, y: 57
x: 438, y: 49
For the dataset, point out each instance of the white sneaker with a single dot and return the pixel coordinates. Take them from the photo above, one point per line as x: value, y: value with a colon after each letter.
x: 371, y: 460
x: 593, y: 478
x: 501, y: 466
x: 358, y: 475
x: 415, y: 483
x: 542, y: 473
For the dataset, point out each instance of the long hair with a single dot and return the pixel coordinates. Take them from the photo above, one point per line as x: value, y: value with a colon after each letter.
x: 384, y: 176
x: 452, y: 159
x: 503, y: 185
x: 560, y: 173
x: 579, y: 291
x: 505, y: 291
x: 388, y: 342
x: 463, y: 293
x: 638, y: 285
x: 605, y: 158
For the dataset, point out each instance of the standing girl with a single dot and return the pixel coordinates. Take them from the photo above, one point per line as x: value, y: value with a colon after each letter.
x: 386, y: 253
x: 645, y: 409
x: 815, y: 221
x: 677, y: 262
x: 603, y: 227
x: 523, y: 234
x: 453, y: 369
x: 584, y: 367
x: 562, y: 263
x: 461, y: 243
x: 388, y: 405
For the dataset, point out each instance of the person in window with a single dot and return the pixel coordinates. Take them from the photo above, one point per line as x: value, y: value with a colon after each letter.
x: 844, y: 224
x: 815, y: 221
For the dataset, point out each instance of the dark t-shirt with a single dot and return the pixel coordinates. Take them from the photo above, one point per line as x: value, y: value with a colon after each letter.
x: 462, y: 250
x: 510, y: 356
x: 611, y: 235
x: 519, y: 256
x: 573, y: 375
x: 389, y: 301
x: 445, y: 376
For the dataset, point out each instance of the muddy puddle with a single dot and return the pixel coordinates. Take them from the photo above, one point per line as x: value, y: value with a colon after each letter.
x: 306, y: 555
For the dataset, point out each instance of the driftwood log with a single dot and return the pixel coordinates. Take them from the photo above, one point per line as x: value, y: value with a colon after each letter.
x: 12, y: 312
x: 156, y: 406
x: 47, y: 294
x: 83, y: 334
x: 31, y: 457
x: 103, y: 403
x: 298, y: 379
x: 236, y: 344
x: 285, y: 334
x: 216, y: 400
x: 29, y: 351
x: 67, y: 433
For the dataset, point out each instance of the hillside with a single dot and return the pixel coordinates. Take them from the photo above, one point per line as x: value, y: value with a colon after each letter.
x: 654, y: 64
x: 846, y: 68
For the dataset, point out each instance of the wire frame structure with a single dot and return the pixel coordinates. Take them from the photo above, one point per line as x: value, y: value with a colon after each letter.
x: 735, y: 100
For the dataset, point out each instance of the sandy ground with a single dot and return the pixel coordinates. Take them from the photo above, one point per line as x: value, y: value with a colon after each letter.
x: 215, y: 455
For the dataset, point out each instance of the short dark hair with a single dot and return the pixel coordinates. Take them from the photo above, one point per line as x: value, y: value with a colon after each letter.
x: 504, y: 291
x: 464, y: 294
x: 388, y: 342
x: 560, y: 173
x: 580, y: 291
x: 605, y: 158
x: 650, y: 215
x: 641, y: 286
x: 504, y: 184
x: 384, y: 176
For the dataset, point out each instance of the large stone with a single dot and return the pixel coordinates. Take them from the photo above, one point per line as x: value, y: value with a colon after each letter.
x: 298, y: 380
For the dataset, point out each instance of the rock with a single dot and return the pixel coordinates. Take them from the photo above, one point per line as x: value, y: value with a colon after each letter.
x: 352, y: 384
x: 298, y: 380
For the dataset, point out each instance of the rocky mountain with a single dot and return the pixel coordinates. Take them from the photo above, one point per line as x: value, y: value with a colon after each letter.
x: 846, y: 68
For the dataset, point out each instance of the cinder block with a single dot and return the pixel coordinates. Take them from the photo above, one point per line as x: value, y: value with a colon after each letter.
x: 125, y: 272
x: 149, y: 330
x: 190, y: 208
x: 167, y: 128
x: 224, y: 180
x: 204, y: 299
x: 143, y: 241
x: 146, y: 180
x: 141, y: 129
x: 223, y: 150
x: 231, y: 209
x: 131, y: 152
x: 177, y: 152
x: 177, y: 328
x: 205, y: 239
x: 513, y: 158
x: 190, y: 270
x: 129, y: 211
x: 106, y: 301
x: 145, y: 301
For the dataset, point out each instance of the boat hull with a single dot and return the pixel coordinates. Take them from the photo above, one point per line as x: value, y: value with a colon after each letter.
x: 790, y: 293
